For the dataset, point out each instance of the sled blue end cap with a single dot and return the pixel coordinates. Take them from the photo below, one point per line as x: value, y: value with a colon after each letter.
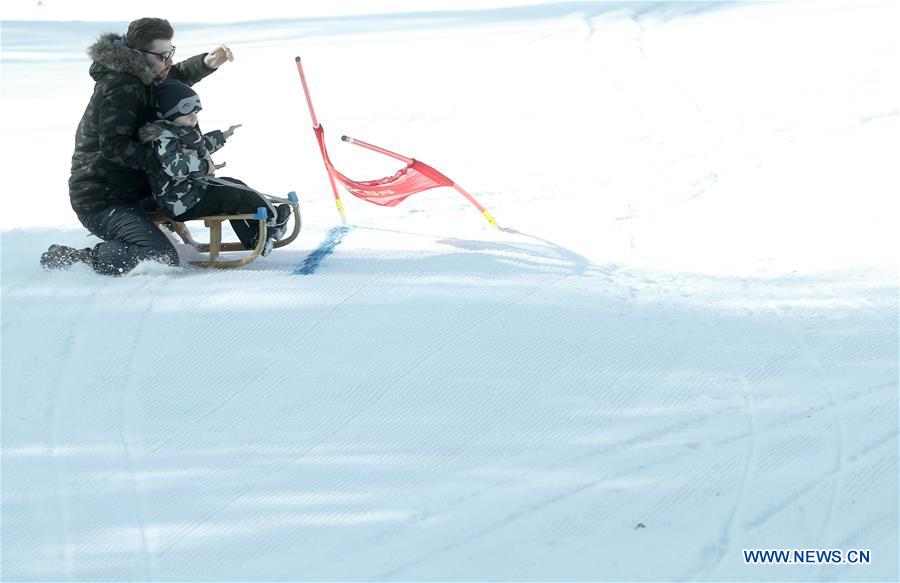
x: 292, y: 196
x: 261, y: 214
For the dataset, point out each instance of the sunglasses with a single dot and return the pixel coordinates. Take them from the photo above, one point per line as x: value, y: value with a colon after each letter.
x: 166, y: 56
x: 185, y: 106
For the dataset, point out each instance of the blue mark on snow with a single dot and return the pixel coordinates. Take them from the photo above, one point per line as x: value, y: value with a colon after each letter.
x: 325, y: 248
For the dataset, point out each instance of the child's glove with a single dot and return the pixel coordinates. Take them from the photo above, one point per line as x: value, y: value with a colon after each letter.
x: 230, y: 131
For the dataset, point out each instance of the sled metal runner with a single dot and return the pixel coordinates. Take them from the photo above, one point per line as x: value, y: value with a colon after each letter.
x: 216, y: 246
x: 415, y: 177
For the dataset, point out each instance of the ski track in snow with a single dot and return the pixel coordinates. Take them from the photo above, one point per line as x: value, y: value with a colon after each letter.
x: 157, y: 543
x: 66, y: 339
x: 480, y: 314
x: 749, y: 460
x: 483, y: 313
x: 131, y: 436
x: 837, y: 474
x: 75, y: 351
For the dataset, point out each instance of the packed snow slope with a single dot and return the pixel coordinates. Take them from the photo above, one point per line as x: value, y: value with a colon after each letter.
x: 684, y: 344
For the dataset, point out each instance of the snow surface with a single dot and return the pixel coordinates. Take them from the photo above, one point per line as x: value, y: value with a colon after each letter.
x: 684, y: 344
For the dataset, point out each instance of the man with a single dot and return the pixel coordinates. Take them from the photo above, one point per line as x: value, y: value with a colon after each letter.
x: 109, y: 187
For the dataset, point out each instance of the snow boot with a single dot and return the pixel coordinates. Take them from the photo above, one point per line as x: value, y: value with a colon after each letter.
x: 268, y: 246
x: 63, y: 257
x: 279, y: 226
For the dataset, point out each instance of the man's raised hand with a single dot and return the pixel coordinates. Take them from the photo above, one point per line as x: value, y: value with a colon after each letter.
x: 216, y: 57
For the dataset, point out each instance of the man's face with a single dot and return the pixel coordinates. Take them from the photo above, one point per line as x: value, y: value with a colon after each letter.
x: 152, y: 54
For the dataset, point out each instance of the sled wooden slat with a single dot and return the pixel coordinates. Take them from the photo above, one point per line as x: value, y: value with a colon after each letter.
x: 216, y: 246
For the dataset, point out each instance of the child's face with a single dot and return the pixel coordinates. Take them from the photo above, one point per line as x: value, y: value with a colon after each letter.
x: 188, y: 121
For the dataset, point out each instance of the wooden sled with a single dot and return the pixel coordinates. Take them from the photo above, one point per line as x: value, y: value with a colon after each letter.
x: 216, y: 247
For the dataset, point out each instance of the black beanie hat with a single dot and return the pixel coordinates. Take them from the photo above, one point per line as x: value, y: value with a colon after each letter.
x: 174, y: 99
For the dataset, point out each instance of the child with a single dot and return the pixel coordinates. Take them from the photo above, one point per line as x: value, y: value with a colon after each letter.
x: 181, y: 169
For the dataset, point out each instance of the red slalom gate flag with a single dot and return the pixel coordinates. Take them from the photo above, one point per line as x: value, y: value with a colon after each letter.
x: 415, y: 177
x: 388, y: 191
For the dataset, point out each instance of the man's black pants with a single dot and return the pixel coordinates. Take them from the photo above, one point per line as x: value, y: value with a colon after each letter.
x: 129, y: 237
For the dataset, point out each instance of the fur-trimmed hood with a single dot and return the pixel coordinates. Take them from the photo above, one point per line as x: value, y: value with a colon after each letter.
x: 110, y: 56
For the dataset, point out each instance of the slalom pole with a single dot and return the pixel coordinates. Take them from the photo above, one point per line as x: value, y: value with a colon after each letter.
x: 375, y: 148
x: 484, y: 212
x: 315, y: 125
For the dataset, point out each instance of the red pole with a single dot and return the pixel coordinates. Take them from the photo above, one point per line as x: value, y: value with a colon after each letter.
x: 315, y: 122
x: 374, y: 148
x: 312, y: 113
x: 484, y: 212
